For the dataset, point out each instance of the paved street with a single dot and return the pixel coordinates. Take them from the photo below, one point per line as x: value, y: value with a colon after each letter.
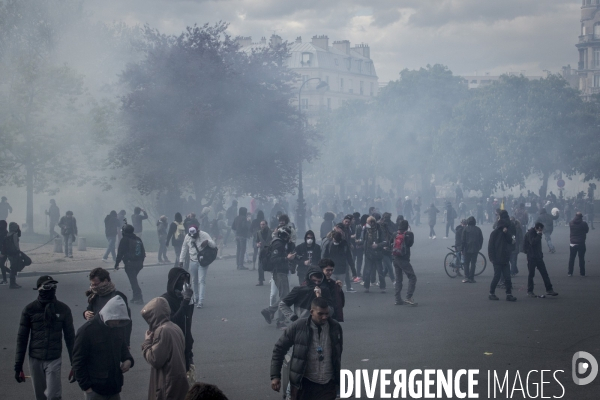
x: 453, y: 327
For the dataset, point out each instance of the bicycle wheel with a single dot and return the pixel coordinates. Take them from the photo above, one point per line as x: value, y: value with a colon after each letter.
x: 449, y: 265
x: 481, y: 264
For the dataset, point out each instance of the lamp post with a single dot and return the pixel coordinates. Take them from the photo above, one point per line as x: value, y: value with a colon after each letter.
x: 301, y: 208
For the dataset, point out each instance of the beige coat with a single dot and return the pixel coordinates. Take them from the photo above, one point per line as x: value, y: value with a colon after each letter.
x: 164, y: 350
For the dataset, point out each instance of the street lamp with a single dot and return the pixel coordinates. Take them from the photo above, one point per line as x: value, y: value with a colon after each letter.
x: 301, y: 209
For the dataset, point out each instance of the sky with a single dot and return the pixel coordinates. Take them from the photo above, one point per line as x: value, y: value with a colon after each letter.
x: 469, y: 36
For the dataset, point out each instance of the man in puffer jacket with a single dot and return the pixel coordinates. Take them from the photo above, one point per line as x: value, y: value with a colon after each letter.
x: 316, y: 358
x: 43, y: 323
x: 578, y: 234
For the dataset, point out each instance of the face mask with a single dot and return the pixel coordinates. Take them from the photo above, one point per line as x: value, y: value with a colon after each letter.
x: 309, y: 241
x: 368, y: 226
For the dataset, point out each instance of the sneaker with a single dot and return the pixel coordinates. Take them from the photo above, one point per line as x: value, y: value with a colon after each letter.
x: 199, y: 305
x: 358, y: 279
x: 351, y: 290
x: 376, y: 283
x: 410, y: 302
x: 551, y: 293
x: 472, y: 281
x: 259, y: 284
x: 510, y: 297
x: 531, y: 294
x: 466, y: 281
x: 569, y: 274
x: 105, y: 260
x: 445, y: 237
x: 433, y: 237
x: 242, y: 268
x: 15, y: 286
x: 4, y: 283
x: 267, y: 315
x: 493, y: 297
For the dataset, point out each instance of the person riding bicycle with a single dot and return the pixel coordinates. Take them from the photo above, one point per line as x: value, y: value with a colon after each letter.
x: 471, y: 244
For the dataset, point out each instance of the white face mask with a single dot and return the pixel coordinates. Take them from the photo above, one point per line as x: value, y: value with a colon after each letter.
x: 309, y: 241
x: 368, y: 226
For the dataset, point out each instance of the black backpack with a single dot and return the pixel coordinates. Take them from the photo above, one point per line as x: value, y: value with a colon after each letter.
x: 9, y: 249
x: 208, y: 254
x: 136, y: 250
x: 268, y: 257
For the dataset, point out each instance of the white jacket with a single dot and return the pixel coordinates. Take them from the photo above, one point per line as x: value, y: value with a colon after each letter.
x: 189, y: 248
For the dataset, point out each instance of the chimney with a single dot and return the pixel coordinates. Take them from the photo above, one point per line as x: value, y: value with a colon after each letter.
x: 263, y: 40
x: 244, y: 40
x: 299, y: 39
x: 342, y: 45
x: 321, y: 41
x: 363, y: 49
x: 275, y: 40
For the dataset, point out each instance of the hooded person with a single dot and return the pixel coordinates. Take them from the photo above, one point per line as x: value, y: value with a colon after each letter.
x: 111, y: 226
x: 578, y: 230
x: 3, y: 258
x: 12, y: 251
x: 132, y: 253
x: 68, y: 229
x: 100, y: 354
x: 471, y: 242
x: 500, y: 246
x: 308, y: 254
x: 181, y: 309
x: 241, y: 227
x: 335, y: 288
x: 163, y: 348
x: 139, y: 215
x: 193, y: 245
x: 532, y: 245
x: 431, y: 212
x: 302, y: 296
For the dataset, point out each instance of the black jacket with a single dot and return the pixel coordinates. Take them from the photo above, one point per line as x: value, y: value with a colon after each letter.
x: 458, y: 237
x: 279, y: 250
x: 68, y: 226
x: 340, y: 254
x: 45, y: 343
x: 472, y: 238
x: 111, y: 225
x: 370, y: 236
x: 500, y: 244
x: 304, y: 252
x: 97, y: 355
x: 302, y: 296
x: 181, y: 311
x: 98, y: 302
x: 171, y: 237
x: 299, y: 335
x: 579, y: 229
x: 240, y: 224
x: 534, y: 244
x: 125, y: 245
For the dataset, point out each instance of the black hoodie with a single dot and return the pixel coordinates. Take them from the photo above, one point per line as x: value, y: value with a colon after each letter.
x: 181, y: 310
x: 578, y: 230
x: 472, y: 238
x: 304, y: 252
x: 301, y: 296
x: 240, y: 224
x: 500, y: 244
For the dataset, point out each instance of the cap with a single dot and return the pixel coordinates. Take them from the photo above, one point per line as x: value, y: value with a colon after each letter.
x: 42, y: 280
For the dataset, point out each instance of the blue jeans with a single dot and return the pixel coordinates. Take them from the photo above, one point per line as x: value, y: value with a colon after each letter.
x: 198, y: 274
x: 68, y: 245
x: 548, y: 237
x: 388, y: 267
x: 112, y: 241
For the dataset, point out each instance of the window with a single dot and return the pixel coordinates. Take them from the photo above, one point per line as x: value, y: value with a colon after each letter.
x: 362, y: 87
x: 372, y: 88
x: 596, y: 58
x: 350, y: 88
x: 359, y: 65
x: 304, y: 104
x: 348, y: 63
x: 341, y: 84
x: 306, y: 58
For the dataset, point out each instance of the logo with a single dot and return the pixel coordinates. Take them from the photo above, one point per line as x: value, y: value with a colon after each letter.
x: 580, y: 368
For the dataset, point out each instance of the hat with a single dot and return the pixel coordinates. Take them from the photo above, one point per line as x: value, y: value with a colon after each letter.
x: 42, y: 280
x: 193, y: 230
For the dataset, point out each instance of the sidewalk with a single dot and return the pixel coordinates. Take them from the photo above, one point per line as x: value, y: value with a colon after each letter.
x: 46, y: 261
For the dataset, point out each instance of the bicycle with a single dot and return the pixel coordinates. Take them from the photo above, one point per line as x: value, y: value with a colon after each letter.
x: 452, y: 267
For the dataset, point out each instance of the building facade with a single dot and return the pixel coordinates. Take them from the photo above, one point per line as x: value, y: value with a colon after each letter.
x: 588, y: 67
x: 348, y: 71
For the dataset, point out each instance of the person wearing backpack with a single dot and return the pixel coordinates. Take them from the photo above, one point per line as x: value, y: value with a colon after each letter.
x: 68, y: 229
x: 12, y: 252
x: 132, y: 253
x: 471, y: 242
x: 193, y: 242
x: 176, y: 235
x: 276, y: 259
x: 401, y: 252
x: 532, y: 246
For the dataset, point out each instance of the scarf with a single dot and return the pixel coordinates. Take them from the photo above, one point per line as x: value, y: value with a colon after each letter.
x: 102, y: 289
x: 48, y: 299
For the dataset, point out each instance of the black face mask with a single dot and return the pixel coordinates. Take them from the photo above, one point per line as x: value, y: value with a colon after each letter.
x: 47, y: 295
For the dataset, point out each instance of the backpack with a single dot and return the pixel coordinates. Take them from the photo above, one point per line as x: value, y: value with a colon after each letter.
x: 136, y: 250
x: 400, y: 248
x: 8, y: 246
x: 208, y: 254
x: 179, y: 234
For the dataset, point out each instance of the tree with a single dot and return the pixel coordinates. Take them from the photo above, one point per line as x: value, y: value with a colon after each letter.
x: 202, y: 116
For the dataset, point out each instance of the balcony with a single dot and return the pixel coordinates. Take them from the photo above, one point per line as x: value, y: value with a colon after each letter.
x: 590, y: 38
